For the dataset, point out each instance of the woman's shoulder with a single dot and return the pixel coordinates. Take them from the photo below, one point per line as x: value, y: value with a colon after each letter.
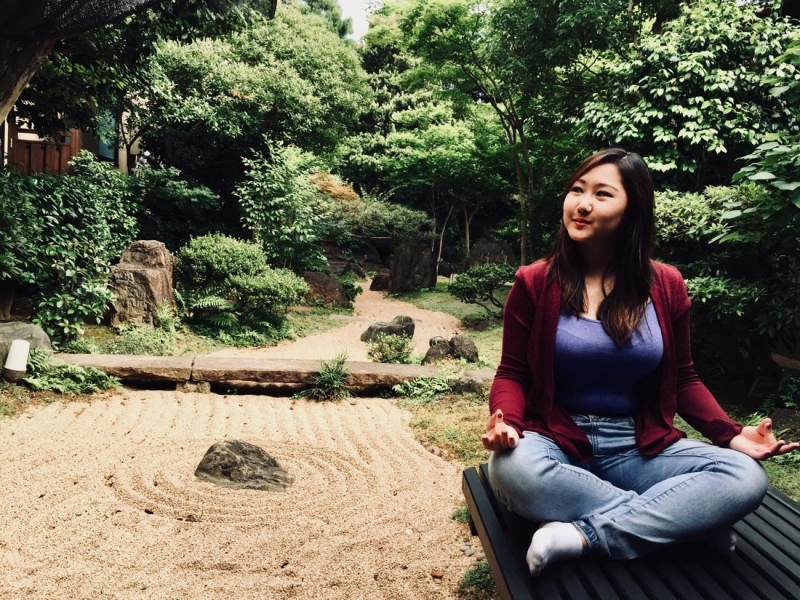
x: 539, y: 268
x: 534, y: 273
x: 667, y: 273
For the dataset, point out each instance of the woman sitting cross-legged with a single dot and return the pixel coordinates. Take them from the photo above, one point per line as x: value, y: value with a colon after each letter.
x: 596, y: 363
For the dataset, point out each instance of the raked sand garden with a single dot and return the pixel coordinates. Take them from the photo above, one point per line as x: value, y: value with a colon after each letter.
x: 100, y: 500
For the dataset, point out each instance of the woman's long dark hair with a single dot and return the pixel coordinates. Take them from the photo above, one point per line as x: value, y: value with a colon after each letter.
x: 622, y: 309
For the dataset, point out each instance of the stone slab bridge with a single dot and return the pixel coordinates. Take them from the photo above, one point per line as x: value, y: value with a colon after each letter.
x: 200, y: 373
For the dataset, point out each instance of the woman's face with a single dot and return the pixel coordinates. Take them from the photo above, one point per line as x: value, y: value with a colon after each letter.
x: 594, y: 206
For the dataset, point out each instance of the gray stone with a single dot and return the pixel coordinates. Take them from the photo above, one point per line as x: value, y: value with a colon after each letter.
x: 17, y: 330
x: 241, y: 465
x: 412, y: 266
x: 140, y: 368
x: 338, y: 262
x: 368, y: 257
x: 437, y: 352
x: 400, y: 325
x: 141, y: 281
x: 380, y: 282
x: 462, y: 346
x: 322, y: 287
x: 486, y: 251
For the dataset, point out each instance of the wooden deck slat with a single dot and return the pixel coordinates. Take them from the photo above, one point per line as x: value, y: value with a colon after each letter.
x: 594, y: 579
x: 509, y: 582
x: 765, y: 566
x: 678, y: 582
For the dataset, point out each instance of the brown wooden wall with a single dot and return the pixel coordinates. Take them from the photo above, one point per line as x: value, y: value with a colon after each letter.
x: 28, y: 156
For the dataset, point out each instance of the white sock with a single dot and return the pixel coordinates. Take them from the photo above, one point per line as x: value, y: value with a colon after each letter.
x: 552, y: 542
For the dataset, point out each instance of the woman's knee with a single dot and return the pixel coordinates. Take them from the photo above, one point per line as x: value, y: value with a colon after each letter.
x: 748, y: 478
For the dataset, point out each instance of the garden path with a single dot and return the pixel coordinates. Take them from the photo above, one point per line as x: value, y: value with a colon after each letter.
x: 369, y: 307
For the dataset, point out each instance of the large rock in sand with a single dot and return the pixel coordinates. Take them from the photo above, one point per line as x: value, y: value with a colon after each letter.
x: 241, y: 465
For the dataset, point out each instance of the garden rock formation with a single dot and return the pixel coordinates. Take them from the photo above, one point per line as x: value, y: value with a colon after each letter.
x: 462, y: 346
x: 322, y: 287
x: 241, y: 465
x: 338, y: 262
x: 459, y: 346
x: 439, y: 350
x: 486, y: 251
x: 368, y: 257
x: 141, y: 281
x: 380, y: 282
x: 18, y: 330
x: 400, y: 325
x: 412, y: 266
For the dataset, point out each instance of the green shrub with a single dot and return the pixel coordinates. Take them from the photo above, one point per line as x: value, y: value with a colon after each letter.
x: 388, y: 348
x: 479, y: 284
x: 424, y: 388
x: 272, y: 291
x: 351, y: 290
x: 275, y: 199
x: 81, y: 345
x: 227, y: 284
x: 207, y: 262
x: 349, y: 222
x: 46, y: 373
x: 330, y: 383
x: 67, y: 229
x: 143, y: 339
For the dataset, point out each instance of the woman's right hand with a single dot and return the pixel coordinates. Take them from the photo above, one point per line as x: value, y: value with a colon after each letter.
x: 499, y: 436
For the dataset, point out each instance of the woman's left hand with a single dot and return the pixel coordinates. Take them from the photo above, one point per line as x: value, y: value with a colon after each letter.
x: 759, y: 441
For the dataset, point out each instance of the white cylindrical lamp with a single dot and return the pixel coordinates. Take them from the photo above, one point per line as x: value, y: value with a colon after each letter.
x: 17, y: 360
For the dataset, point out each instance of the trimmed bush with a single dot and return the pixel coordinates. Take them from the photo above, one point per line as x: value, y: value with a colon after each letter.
x: 388, y: 348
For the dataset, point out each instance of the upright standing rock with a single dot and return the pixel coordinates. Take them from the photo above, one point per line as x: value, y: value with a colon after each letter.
x: 141, y: 281
x: 412, y: 267
x: 486, y: 251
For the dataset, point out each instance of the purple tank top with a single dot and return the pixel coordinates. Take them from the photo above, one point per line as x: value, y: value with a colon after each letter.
x: 595, y: 376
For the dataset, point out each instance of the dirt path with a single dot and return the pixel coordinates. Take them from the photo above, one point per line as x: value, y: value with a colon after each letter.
x: 369, y: 307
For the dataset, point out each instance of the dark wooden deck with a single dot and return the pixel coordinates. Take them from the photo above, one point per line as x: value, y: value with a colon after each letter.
x: 766, y: 563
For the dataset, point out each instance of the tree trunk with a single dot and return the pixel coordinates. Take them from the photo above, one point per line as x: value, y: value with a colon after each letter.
x: 523, y: 210
x: 19, y: 61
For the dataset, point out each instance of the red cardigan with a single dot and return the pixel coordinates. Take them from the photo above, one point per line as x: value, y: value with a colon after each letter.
x: 524, y: 389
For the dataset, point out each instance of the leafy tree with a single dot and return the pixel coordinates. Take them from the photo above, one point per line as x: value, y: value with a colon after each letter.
x: 479, y: 284
x: 89, y: 74
x: 526, y: 60
x: 775, y: 162
x: 332, y: 13
x: 690, y: 97
x: 213, y: 101
x: 275, y: 199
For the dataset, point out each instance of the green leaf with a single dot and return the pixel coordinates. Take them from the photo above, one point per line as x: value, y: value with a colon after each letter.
x: 762, y: 175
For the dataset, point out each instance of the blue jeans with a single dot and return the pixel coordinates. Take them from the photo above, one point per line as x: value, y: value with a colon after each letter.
x: 627, y: 504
